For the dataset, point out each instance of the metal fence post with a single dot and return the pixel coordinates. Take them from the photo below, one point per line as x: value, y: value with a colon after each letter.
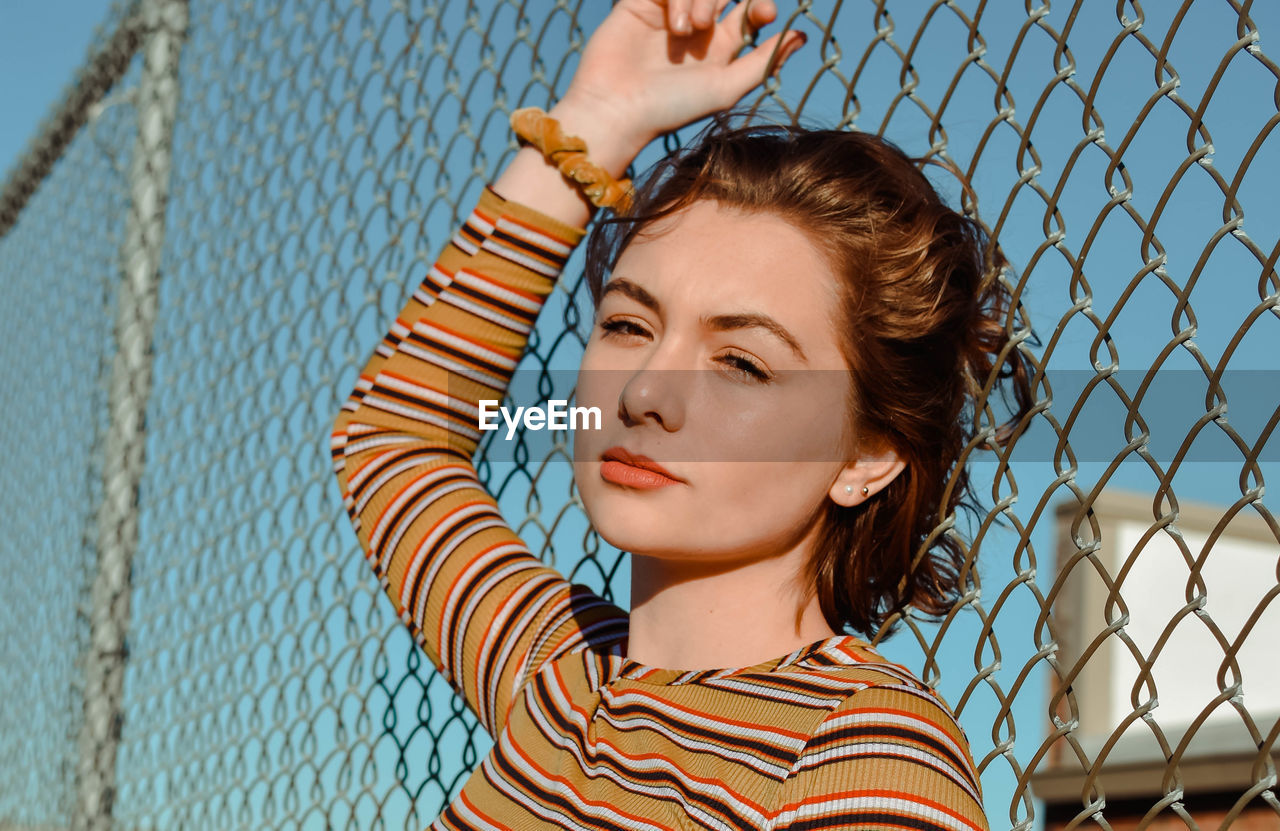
x: 163, y: 27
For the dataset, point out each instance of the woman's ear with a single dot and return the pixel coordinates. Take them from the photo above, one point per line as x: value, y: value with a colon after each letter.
x: 863, y: 478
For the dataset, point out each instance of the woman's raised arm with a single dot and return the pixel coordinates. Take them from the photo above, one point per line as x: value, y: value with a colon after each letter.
x: 487, y: 612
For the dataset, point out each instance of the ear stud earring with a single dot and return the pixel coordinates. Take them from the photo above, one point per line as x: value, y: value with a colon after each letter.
x: 849, y: 489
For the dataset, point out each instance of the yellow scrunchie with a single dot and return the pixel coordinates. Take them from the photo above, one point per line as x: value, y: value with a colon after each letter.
x: 569, y: 155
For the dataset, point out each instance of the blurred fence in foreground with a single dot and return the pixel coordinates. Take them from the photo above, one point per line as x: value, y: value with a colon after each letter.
x: 209, y: 234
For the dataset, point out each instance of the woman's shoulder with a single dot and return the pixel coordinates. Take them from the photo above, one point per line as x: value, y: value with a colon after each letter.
x: 889, y: 751
x: 860, y: 680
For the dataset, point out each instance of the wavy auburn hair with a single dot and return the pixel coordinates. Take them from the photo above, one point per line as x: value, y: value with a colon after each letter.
x: 926, y: 322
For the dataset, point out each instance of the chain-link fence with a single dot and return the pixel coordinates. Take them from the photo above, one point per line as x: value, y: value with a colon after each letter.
x: 215, y: 226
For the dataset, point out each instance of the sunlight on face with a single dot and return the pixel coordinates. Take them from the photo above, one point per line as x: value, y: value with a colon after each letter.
x: 714, y: 353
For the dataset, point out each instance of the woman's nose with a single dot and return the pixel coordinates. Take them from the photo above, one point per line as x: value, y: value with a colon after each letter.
x: 657, y: 395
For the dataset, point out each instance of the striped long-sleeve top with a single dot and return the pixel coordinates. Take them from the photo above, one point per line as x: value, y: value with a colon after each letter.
x: 830, y: 736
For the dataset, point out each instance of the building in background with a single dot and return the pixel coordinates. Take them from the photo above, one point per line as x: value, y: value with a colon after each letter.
x: 1154, y: 695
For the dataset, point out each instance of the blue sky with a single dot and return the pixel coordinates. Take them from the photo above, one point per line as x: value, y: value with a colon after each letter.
x: 42, y: 44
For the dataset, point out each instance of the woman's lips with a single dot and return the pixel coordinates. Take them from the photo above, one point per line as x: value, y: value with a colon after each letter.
x: 633, y: 470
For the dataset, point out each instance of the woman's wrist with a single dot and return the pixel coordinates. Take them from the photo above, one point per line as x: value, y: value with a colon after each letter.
x: 612, y: 136
x: 612, y: 142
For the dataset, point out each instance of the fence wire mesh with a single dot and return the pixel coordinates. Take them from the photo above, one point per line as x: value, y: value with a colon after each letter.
x: 321, y: 153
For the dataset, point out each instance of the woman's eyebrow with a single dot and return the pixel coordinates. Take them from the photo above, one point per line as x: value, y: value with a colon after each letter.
x: 632, y: 290
x: 718, y: 323
x: 745, y: 320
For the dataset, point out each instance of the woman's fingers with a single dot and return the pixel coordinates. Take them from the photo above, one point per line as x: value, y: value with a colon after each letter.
x: 748, y: 17
x: 760, y: 12
x: 686, y: 16
x: 754, y: 13
x: 703, y: 14
x: 745, y: 73
x: 678, y: 19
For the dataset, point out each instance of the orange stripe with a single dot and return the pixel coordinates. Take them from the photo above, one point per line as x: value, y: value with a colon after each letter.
x: 402, y: 491
x: 887, y: 711
x: 462, y: 795
x: 555, y: 670
x: 884, y: 794
x: 470, y: 562
x: 538, y: 254
x: 857, y: 655
x: 720, y: 717
x: 488, y: 347
x: 530, y: 296
x: 684, y: 775
x: 539, y: 231
x: 480, y: 301
x: 525, y: 658
x: 568, y: 786
x: 549, y: 586
x: 417, y: 382
x: 568, y: 637
x: 356, y: 471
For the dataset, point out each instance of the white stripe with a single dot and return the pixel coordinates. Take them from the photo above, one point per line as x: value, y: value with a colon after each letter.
x: 528, y: 234
x: 481, y: 224
x: 435, y: 282
x: 698, y: 745
x: 767, y: 735
x: 765, y: 691
x: 871, y: 803
x: 539, y: 585
x: 711, y: 790
x: 489, y: 356
x: 356, y: 446
x: 397, y: 532
x: 516, y: 325
x: 385, y: 475
x: 467, y: 246
x: 854, y: 750
x: 427, y: 551
x: 401, y: 409
x: 837, y: 722
x: 458, y: 405
x: 553, y: 624
x: 463, y: 810
x: 465, y: 583
x: 498, y: 292
x: 479, y: 376
x: 604, y: 813
x: 519, y: 257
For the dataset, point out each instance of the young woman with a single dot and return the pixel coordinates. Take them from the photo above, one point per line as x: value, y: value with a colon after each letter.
x: 839, y: 318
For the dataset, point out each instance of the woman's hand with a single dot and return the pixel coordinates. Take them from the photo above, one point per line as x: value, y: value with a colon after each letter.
x: 655, y: 65
x: 650, y: 67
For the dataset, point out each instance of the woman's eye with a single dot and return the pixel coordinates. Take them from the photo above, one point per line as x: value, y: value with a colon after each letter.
x: 745, y: 367
x: 623, y: 327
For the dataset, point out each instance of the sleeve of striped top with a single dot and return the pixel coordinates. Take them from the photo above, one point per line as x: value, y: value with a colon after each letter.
x: 889, y: 757
x: 486, y: 612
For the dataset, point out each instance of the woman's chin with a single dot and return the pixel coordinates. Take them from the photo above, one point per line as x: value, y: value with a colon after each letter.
x: 630, y: 529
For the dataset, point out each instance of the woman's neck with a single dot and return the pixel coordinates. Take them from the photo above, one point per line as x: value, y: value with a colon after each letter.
x: 693, y: 616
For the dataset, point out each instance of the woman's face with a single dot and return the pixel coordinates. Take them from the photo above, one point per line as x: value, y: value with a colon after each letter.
x: 714, y: 353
